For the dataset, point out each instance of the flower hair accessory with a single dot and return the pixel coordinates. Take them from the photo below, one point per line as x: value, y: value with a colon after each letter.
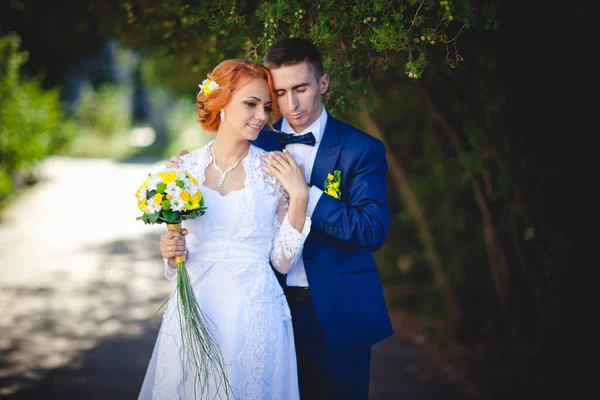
x: 208, y: 86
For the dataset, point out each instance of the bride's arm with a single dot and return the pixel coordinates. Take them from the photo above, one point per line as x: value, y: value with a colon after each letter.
x: 289, y: 241
x: 293, y: 224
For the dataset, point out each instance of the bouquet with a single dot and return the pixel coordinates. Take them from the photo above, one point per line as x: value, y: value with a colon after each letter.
x: 171, y: 197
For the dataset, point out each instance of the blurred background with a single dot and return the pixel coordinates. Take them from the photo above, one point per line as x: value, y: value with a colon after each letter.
x: 94, y: 94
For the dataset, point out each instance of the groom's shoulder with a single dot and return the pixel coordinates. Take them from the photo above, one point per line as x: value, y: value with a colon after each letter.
x: 267, y: 138
x: 350, y: 134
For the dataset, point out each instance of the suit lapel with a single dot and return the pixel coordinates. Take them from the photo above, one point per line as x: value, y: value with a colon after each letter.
x: 268, y: 140
x: 327, y: 155
x: 276, y: 144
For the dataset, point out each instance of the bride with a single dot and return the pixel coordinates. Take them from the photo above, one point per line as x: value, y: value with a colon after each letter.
x: 256, y: 213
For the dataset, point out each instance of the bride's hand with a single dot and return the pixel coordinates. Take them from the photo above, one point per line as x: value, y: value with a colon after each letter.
x: 172, y: 244
x: 175, y: 161
x: 283, y: 167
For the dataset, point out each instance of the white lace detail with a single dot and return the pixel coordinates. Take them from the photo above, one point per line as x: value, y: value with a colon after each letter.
x: 234, y: 241
x: 289, y: 243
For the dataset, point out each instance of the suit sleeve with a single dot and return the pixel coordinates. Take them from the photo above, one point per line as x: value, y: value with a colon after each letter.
x: 362, y: 217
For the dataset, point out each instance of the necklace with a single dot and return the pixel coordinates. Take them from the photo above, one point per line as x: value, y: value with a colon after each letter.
x: 224, y: 174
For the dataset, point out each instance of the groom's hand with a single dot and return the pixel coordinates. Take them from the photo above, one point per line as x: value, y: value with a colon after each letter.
x: 175, y: 161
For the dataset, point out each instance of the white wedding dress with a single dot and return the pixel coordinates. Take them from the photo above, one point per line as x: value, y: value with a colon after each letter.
x: 228, y: 262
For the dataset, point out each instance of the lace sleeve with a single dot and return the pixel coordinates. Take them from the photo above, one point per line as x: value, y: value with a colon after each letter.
x: 288, y: 241
x: 170, y: 273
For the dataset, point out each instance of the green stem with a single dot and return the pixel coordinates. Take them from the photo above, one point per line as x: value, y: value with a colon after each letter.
x: 199, y: 345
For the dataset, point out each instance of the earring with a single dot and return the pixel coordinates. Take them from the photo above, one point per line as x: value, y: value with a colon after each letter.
x: 222, y: 114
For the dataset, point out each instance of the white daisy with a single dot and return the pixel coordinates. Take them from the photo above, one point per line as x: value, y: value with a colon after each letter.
x: 192, y: 188
x: 181, y: 176
x: 173, y: 189
x: 153, y: 181
x: 177, y: 204
x: 152, y: 207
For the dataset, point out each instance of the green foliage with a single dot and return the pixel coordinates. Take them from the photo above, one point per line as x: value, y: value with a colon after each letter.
x: 170, y: 217
x: 355, y: 37
x: 102, y: 116
x: 32, y: 123
x: 104, y: 111
x: 183, y: 129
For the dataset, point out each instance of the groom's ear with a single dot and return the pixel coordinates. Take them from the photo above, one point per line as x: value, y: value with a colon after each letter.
x: 324, y: 83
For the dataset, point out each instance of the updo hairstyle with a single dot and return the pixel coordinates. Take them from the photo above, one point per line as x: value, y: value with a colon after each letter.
x: 230, y: 75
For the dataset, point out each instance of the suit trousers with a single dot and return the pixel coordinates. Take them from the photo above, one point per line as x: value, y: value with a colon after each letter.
x: 323, y: 374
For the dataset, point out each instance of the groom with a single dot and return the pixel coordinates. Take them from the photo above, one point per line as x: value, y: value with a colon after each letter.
x: 334, y: 291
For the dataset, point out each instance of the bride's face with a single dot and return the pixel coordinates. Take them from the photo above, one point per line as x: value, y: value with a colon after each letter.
x: 248, y: 110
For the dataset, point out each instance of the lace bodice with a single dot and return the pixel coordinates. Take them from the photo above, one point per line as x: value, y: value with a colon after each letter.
x: 254, y: 216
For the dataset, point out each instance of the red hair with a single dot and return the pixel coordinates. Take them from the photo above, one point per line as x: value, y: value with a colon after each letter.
x: 230, y: 75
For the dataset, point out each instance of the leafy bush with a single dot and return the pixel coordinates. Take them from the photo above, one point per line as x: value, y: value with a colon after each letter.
x: 104, y: 111
x: 32, y: 122
x: 103, y: 117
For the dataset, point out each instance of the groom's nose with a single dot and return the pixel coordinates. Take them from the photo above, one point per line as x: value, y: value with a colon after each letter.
x: 292, y: 101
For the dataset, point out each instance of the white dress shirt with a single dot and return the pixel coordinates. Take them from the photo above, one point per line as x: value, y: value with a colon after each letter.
x: 305, y: 155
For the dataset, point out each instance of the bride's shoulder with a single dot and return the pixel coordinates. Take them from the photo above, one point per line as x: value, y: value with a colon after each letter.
x: 198, y: 154
x: 256, y: 150
x: 256, y: 154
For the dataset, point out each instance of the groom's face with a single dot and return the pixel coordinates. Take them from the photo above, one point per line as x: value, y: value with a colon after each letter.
x: 299, y: 94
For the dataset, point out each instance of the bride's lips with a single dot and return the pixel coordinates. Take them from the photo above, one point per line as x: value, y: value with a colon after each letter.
x: 256, y: 127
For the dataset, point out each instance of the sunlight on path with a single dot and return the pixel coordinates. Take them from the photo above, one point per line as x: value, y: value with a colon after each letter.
x: 82, y: 285
x: 76, y: 267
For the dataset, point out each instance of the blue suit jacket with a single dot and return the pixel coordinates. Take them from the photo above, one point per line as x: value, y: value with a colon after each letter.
x: 338, y: 253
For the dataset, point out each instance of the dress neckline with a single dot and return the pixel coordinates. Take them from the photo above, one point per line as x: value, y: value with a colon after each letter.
x: 226, y: 194
x: 244, y: 165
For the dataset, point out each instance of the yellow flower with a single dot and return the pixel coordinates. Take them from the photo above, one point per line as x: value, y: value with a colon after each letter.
x: 169, y: 197
x: 142, y: 205
x: 185, y: 195
x: 158, y: 198
x: 331, y: 191
x: 193, y: 202
x: 143, y: 185
x: 197, y: 197
x: 192, y: 179
x: 332, y: 184
x: 207, y: 86
x: 168, y: 177
x: 189, y: 205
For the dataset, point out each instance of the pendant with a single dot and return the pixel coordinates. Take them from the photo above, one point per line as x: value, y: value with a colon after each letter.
x: 224, y: 174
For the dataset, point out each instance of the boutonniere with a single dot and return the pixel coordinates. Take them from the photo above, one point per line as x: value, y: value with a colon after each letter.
x: 333, y: 183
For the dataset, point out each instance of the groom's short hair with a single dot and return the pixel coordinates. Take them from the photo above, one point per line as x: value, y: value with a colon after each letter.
x: 294, y: 51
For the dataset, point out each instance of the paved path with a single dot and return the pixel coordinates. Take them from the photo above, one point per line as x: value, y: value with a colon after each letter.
x: 81, y: 284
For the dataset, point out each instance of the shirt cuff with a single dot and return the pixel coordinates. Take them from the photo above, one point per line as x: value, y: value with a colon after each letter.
x: 314, y: 194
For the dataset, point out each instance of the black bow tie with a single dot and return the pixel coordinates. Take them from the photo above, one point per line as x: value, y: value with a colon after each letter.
x: 287, y: 138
